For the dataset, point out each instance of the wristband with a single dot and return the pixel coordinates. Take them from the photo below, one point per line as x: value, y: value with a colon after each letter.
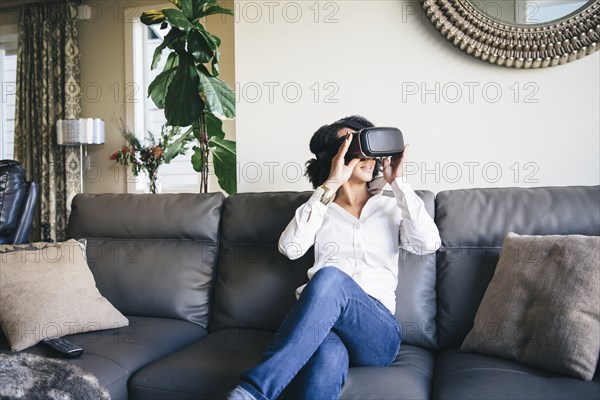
x: 327, y: 196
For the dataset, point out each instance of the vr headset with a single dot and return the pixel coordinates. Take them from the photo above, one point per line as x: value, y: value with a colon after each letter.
x: 375, y: 142
x: 371, y: 143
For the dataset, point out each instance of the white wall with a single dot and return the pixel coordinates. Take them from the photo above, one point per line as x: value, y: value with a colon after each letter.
x: 489, y: 126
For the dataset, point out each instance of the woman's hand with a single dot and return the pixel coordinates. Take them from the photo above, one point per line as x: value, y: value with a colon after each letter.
x: 393, y: 167
x: 340, y: 172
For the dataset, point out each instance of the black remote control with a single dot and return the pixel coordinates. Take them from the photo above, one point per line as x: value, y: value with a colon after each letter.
x: 63, y: 347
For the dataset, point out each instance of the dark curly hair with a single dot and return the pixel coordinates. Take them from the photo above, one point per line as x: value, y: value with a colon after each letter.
x: 325, y: 145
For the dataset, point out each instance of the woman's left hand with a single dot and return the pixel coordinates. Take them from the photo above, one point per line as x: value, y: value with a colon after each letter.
x: 393, y: 167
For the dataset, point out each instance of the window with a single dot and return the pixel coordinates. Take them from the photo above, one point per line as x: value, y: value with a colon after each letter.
x: 142, y: 114
x: 8, y: 74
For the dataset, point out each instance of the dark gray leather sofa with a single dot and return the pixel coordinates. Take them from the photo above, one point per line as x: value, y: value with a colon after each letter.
x: 201, y: 280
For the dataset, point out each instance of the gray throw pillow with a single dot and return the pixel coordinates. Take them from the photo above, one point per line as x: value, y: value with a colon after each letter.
x: 542, y: 307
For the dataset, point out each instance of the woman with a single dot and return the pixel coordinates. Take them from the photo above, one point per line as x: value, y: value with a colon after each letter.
x: 344, y: 315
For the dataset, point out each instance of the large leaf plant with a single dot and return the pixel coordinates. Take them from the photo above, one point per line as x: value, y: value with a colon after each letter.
x: 189, y: 89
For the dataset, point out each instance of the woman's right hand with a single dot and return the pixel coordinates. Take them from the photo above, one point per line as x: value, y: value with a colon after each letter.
x: 340, y: 172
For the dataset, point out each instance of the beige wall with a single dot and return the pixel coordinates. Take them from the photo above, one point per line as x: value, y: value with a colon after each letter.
x: 468, y: 123
x: 103, y: 79
x: 9, y: 16
x: 9, y: 20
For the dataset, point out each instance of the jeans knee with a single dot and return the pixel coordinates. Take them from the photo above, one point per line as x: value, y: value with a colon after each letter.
x: 332, y: 356
x: 328, y: 286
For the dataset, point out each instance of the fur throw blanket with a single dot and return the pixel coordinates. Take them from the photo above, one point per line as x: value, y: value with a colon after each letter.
x: 31, y: 377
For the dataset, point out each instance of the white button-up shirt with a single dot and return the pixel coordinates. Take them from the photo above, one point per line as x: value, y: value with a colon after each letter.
x: 365, y: 248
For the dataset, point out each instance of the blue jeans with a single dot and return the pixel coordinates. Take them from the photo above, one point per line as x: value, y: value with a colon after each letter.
x: 333, y: 324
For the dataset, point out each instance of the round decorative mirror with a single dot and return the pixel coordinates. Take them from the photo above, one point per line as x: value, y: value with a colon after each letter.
x: 519, y: 33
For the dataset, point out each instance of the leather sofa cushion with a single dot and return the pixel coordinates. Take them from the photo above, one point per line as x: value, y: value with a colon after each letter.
x: 155, y: 278
x: 211, y: 367
x: 207, y: 369
x: 255, y: 284
x: 152, y: 255
x: 463, y: 275
x: 416, y: 299
x: 483, y: 217
x: 415, y: 293
x: 113, y: 355
x: 146, y: 216
x: 473, y: 224
x: 409, y: 377
x: 476, y: 377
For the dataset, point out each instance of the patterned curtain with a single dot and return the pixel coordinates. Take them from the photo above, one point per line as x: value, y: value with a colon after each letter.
x: 48, y: 89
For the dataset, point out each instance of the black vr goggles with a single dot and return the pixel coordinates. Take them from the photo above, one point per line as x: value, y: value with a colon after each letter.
x: 371, y: 142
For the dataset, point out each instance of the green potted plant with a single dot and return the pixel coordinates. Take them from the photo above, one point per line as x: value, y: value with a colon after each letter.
x: 189, y: 89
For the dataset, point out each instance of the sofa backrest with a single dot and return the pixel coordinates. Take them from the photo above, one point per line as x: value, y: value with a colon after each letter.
x: 151, y: 255
x: 473, y: 224
x: 415, y: 293
x: 255, y: 284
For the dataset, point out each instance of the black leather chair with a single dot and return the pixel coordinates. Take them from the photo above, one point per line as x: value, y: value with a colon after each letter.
x: 18, y: 200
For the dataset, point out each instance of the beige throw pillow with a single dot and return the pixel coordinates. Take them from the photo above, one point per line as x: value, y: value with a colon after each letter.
x: 542, y: 307
x: 51, y: 292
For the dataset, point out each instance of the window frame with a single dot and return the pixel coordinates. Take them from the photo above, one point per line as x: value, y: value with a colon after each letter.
x: 3, y: 153
x: 136, y: 117
x: 8, y: 48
